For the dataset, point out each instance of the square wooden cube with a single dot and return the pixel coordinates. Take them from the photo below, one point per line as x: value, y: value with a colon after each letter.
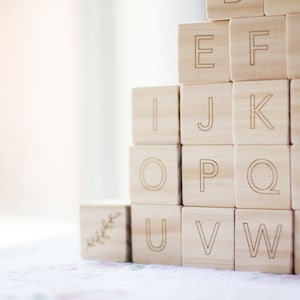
x: 297, y: 242
x: 293, y: 45
x: 155, y: 115
x: 228, y: 9
x: 206, y: 114
x: 258, y: 48
x: 295, y: 176
x: 264, y: 240
x: 208, y: 237
x: 261, y: 112
x: 281, y: 7
x: 295, y: 111
x: 262, y: 177
x: 155, y: 175
x: 105, y: 231
x: 203, y: 52
x: 156, y: 234
x: 208, y: 176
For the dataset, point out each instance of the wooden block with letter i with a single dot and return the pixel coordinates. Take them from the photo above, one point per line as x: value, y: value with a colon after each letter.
x: 156, y: 234
x: 264, y: 240
x: 281, y: 7
x: 208, y: 237
x: 104, y: 230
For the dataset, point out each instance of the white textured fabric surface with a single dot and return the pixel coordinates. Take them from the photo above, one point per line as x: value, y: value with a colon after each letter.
x: 53, y: 269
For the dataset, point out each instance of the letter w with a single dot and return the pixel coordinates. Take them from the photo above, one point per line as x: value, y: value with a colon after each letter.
x: 208, y: 246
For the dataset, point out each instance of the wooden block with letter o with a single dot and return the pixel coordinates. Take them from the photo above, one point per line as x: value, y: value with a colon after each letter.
x: 203, y: 53
x: 208, y: 237
x: 264, y: 240
x: 281, y: 7
x: 258, y: 48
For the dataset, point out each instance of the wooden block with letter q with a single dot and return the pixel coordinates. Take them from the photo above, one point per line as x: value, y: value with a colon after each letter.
x: 228, y: 9
x: 264, y: 240
x: 281, y: 7
x: 295, y: 111
x: 104, y: 231
x: 258, y: 48
x: 203, y: 52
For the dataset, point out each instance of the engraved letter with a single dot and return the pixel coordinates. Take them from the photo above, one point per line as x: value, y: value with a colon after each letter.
x: 254, y: 47
x: 205, y: 165
x: 155, y: 115
x: 199, y: 51
x: 209, y: 125
x: 255, y: 110
x: 208, y: 246
x: 163, y: 243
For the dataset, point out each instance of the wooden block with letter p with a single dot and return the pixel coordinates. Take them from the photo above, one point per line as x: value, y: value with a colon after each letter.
x: 203, y: 52
x: 264, y: 240
x: 104, y: 231
x: 281, y: 7
x: 258, y: 48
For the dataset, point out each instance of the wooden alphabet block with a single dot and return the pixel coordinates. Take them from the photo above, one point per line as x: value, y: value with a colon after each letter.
x: 261, y: 112
x: 295, y: 176
x: 156, y: 234
x: 104, y: 231
x: 258, y: 48
x: 281, y: 7
x: 155, y: 175
x: 262, y: 177
x: 208, y: 237
x: 208, y: 176
x: 297, y: 242
x: 295, y: 111
x: 264, y: 240
x: 206, y: 114
x: 203, y: 53
x: 228, y: 9
x: 155, y: 115
x: 293, y: 45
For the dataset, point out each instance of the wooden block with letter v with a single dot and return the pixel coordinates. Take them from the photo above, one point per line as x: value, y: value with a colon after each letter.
x: 208, y: 237
x: 281, y: 7
x: 258, y: 48
x: 155, y: 115
x: 264, y: 240
x: 105, y: 231
x: 156, y: 234
x: 203, y: 52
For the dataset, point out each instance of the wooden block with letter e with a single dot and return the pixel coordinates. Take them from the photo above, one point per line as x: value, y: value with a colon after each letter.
x: 206, y: 114
x: 104, y: 230
x: 228, y: 9
x: 203, y: 52
x: 155, y: 175
x: 208, y: 237
x: 156, y: 234
x: 262, y: 177
x: 297, y: 242
x: 261, y: 112
x: 208, y: 176
x: 258, y: 48
x: 295, y: 176
x: 281, y: 7
x: 155, y: 115
x: 264, y: 240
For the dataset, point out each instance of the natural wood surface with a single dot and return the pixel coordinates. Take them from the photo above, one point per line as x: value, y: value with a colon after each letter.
x: 281, y: 7
x: 295, y: 111
x: 295, y: 176
x: 297, y: 242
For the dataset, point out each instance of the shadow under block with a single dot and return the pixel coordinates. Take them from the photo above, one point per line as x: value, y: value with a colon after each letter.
x: 258, y: 48
x: 295, y: 111
x: 281, y: 7
x: 264, y: 240
x: 293, y: 45
x: 105, y: 232
x: 203, y: 52
x: 155, y: 115
x: 262, y: 177
x: 297, y: 242
x: 295, y: 176
x: 208, y: 176
x: 208, y: 237
x: 155, y: 175
x: 261, y: 112
x: 156, y: 234
x: 206, y: 114
x: 228, y: 9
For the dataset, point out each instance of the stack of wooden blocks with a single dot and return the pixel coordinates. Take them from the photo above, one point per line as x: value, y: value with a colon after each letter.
x: 213, y: 175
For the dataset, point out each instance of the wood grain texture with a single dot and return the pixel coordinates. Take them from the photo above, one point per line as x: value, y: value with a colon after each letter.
x: 155, y: 115
x: 281, y: 7
x: 258, y: 48
x: 203, y: 52
x: 228, y: 9
x: 295, y: 176
x: 156, y: 234
x: 297, y: 242
x: 295, y: 111
x: 264, y: 241
x: 206, y: 114
x: 155, y: 175
x: 105, y: 232
x: 261, y: 112
x: 262, y: 177
x: 208, y: 237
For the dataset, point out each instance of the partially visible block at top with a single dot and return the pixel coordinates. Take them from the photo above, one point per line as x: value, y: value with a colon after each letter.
x: 203, y: 52
x: 281, y: 7
x: 155, y: 115
x: 228, y: 9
